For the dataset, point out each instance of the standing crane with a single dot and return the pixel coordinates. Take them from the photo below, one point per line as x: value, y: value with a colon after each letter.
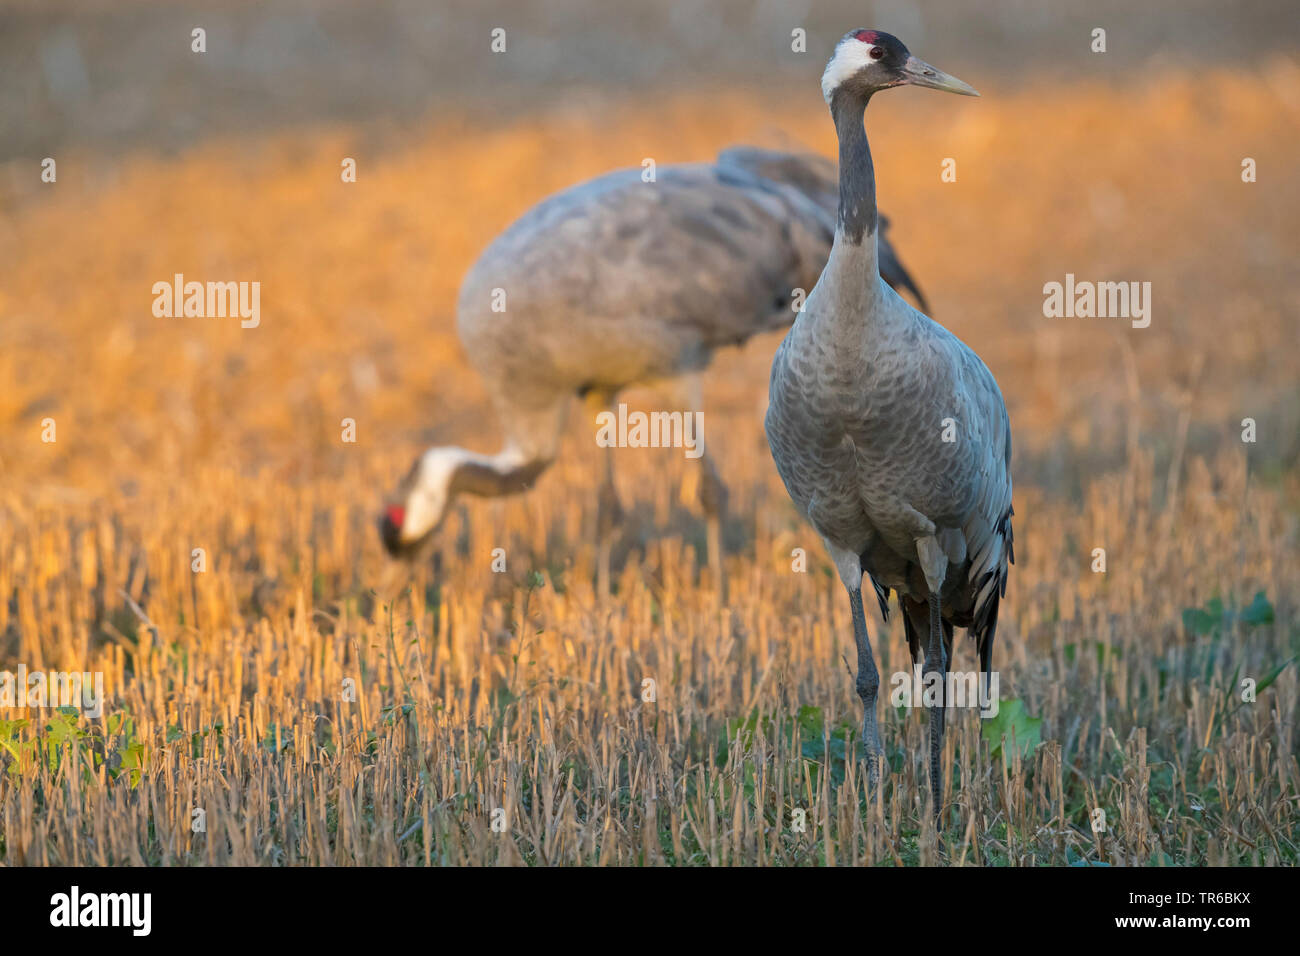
x: 890, y: 434
x: 616, y: 282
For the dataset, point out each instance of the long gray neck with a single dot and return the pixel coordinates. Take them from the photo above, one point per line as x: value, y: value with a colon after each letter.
x: 857, y: 175
x: 851, y: 278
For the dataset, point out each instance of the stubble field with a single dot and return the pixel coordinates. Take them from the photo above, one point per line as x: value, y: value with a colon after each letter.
x: 499, y: 717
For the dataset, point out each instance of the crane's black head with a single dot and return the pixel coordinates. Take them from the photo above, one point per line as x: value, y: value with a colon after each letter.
x: 865, y: 61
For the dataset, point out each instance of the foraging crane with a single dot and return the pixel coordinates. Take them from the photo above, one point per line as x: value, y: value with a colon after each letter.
x: 864, y: 391
x: 615, y: 282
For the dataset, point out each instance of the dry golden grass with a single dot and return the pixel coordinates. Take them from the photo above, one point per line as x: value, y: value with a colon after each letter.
x: 519, y: 691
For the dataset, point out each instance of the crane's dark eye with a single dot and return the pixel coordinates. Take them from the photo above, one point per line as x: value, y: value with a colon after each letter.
x: 876, y: 52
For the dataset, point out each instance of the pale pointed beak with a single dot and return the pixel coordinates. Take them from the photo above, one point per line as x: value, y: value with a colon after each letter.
x: 919, y: 73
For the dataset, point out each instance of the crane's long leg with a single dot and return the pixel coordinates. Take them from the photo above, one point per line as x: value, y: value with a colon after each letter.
x: 936, y: 670
x: 609, y: 515
x: 609, y: 512
x: 849, y: 566
x: 713, y: 499
x: 934, y: 564
x: 687, y: 393
x: 868, y: 685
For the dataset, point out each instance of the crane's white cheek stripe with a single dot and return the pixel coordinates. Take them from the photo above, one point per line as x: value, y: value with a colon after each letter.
x: 850, y: 56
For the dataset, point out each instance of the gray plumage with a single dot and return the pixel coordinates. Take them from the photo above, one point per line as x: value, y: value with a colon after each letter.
x: 864, y: 392
x: 617, y: 282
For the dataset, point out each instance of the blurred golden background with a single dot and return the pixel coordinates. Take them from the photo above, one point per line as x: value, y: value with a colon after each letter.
x: 176, y: 433
x: 226, y: 165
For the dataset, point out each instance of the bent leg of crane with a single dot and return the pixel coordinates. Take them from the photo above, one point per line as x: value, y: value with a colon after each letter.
x: 868, y: 684
x: 849, y: 566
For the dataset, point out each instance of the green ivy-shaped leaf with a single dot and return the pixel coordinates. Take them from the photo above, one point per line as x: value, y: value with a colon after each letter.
x: 1258, y: 612
x: 133, y: 762
x: 810, y: 721
x: 1012, y: 721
